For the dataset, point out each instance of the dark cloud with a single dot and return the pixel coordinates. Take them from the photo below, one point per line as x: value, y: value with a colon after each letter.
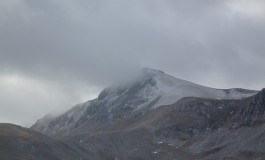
x: 75, y: 48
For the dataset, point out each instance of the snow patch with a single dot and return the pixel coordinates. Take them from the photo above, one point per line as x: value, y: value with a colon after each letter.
x: 171, y: 89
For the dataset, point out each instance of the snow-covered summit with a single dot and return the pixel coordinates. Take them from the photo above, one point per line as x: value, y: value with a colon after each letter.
x: 154, y: 85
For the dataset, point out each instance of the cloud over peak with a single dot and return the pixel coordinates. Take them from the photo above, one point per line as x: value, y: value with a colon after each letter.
x: 75, y: 48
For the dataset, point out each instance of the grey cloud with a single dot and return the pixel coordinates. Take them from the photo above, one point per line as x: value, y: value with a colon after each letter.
x: 83, y: 45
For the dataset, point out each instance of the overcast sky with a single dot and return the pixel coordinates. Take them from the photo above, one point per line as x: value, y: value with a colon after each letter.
x: 56, y: 53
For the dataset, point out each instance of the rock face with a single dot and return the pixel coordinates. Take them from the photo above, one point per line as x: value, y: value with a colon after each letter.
x: 255, y: 112
x: 157, y: 116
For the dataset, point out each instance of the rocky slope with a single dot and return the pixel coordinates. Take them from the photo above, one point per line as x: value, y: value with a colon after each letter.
x: 18, y: 143
x: 192, y: 128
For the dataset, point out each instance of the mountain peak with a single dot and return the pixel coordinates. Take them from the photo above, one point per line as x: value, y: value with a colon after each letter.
x: 155, y: 85
x: 147, y: 91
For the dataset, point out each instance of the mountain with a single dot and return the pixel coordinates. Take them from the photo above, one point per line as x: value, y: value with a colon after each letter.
x: 152, y: 116
x: 159, y: 117
x: 148, y: 91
